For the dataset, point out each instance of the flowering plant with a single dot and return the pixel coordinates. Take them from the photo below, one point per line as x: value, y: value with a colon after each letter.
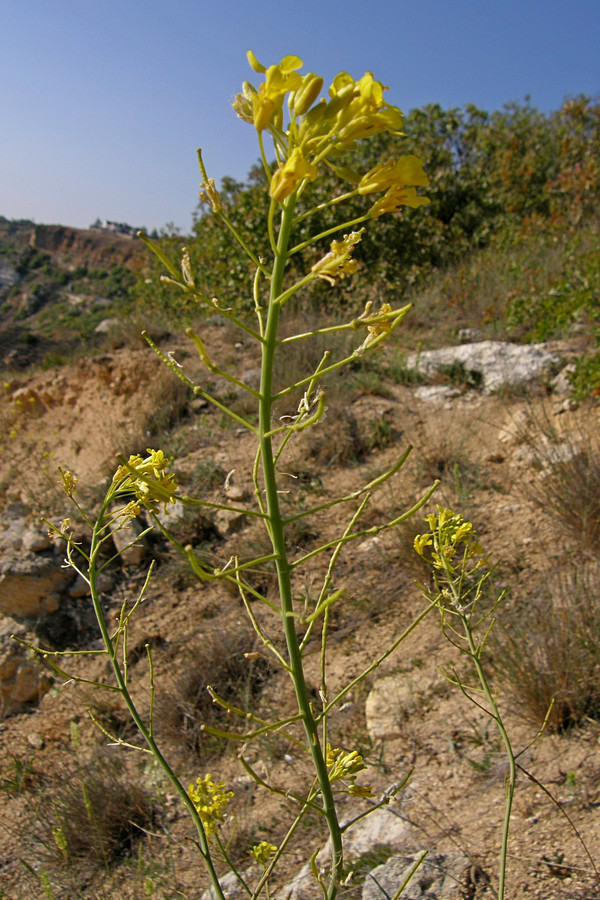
x: 307, y: 134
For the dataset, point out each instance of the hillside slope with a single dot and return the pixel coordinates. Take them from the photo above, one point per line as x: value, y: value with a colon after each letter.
x: 57, y: 284
x: 493, y: 455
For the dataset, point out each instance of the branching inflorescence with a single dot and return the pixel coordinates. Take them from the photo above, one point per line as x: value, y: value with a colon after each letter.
x: 308, y: 135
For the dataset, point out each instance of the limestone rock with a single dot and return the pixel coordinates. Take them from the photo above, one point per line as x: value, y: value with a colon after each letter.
x: 30, y: 585
x: 383, y: 828
x: 35, y: 740
x: 236, y: 493
x: 8, y: 275
x: 438, y: 878
x: 496, y: 363
x: 35, y: 540
x: 80, y: 588
x: 437, y: 393
x: 22, y: 677
x: 228, y: 521
x: 231, y: 888
x: 107, y: 325
x: 187, y: 524
x: 131, y: 548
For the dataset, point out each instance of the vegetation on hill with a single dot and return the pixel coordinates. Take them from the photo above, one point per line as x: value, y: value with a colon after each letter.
x: 57, y: 285
x: 508, y: 242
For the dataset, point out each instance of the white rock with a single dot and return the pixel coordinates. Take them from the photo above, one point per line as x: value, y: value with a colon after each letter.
x: 30, y: 585
x: 230, y: 886
x: 236, y: 493
x: 382, y: 828
x: 438, y: 876
x: 498, y: 362
x: 107, y: 325
x: 35, y: 541
x: 22, y: 677
x: 228, y: 521
x: 130, y: 554
x: 437, y: 393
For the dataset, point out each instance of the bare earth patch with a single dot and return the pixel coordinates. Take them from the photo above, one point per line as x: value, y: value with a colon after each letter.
x: 492, y: 455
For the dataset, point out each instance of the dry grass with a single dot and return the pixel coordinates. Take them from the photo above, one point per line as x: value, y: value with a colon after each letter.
x: 571, y: 492
x: 79, y: 827
x: 547, y: 645
x: 224, y: 660
x: 566, y: 450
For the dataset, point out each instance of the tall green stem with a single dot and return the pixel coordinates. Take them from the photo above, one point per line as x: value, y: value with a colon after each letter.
x: 275, y: 525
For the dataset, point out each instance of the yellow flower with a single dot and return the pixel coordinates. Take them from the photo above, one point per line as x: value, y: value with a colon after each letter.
x: 345, y: 767
x: 345, y: 764
x: 396, y: 197
x: 399, y: 180
x: 262, y: 852
x: 147, y: 480
x: 267, y: 102
x: 301, y: 100
x: 356, y: 110
x: 408, y: 170
x: 210, y: 800
x: 338, y: 263
x: 330, y: 754
x: 379, y: 325
x: 421, y: 542
x: 290, y: 175
x: 69, y: 481
x: 447, y: 530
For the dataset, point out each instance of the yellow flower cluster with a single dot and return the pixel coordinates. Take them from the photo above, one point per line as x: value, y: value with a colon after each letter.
x: 147, y: 479
x: 69, y: 481
x: 345, y: 767
x: 338, y: 263
x: 263, y: 852
x: 210, y: 800
x: 327, y: 128
x: 399, y: 180
x: 448, y: 530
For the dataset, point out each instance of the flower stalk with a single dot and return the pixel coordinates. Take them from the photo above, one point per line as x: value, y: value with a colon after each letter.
x: 317, y: 133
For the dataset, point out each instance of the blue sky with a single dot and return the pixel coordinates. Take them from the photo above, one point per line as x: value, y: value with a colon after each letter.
x: 103, y: 102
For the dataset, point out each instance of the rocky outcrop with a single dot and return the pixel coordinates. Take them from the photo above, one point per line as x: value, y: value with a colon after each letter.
x: 23, y: 679
x: 31, y: 577
x: 93, y: 247
x: 439, y: 877
x: 382, y: 828
x: 489, y: 365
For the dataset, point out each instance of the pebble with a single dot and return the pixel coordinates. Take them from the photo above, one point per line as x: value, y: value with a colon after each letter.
x: 35, y: 740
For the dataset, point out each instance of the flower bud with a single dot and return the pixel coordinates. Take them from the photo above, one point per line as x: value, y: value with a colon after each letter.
x: 302, y: 99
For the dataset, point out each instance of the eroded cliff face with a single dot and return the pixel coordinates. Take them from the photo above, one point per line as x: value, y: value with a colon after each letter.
x: 74, y: 246
x: 58, y: 284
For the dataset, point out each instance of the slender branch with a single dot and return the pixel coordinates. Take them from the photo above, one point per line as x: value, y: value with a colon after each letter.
x: 374, y: 530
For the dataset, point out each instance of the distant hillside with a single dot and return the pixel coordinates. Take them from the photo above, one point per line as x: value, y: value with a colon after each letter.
x: 57, y: 284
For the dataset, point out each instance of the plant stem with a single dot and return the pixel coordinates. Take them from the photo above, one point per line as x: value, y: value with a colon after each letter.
x: 275, y: 526
x: 512, y: 773
x: 123, y: 689
x: 474, y: 652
